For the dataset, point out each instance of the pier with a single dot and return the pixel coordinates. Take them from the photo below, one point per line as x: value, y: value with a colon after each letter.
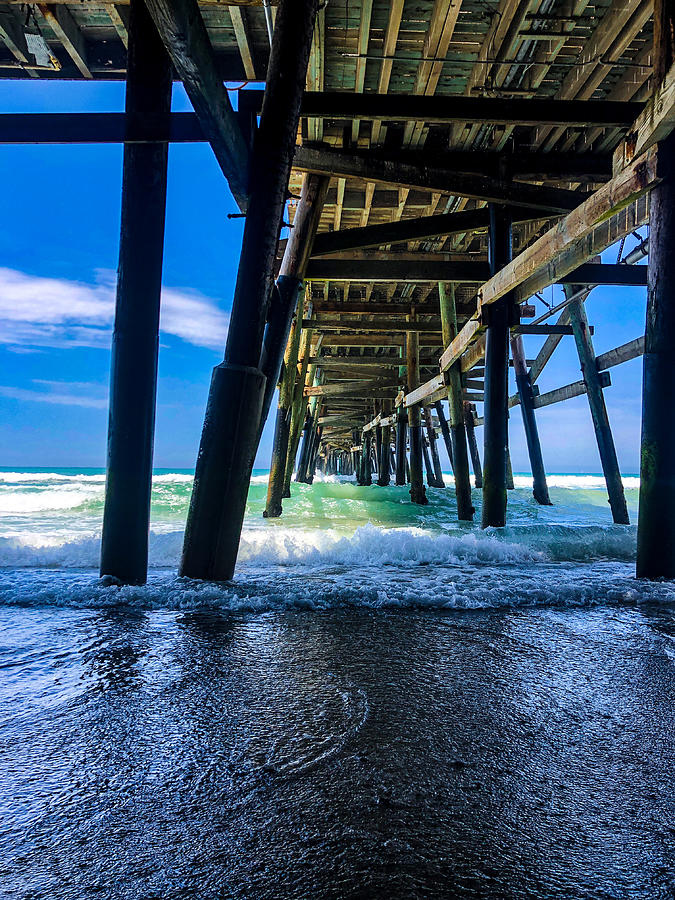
x: 412, y: 177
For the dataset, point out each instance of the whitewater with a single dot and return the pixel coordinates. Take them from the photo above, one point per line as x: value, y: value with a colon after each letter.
x: 336, y: 545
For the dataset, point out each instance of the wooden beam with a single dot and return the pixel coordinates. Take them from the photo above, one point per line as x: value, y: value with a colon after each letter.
x: 60, y: 20
x: 349, y: 387
x: 410, y: 229
x: 397, y: 267
x: 446, y: 110
x: 576, y: 389
x: 622, y: 354
x: 241, y: 34
x: 182, y: 29
x: 542, y: 256
x: 381, y: 325
x: 383, y: 170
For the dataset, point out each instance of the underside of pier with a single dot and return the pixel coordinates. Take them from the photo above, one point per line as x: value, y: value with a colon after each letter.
x: 439, y: 164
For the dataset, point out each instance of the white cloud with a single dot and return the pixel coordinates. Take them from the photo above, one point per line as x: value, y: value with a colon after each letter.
x: 62, y: 393
x: 53, y: 312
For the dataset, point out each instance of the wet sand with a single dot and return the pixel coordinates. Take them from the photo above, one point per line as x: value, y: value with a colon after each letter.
x: 338, y: 754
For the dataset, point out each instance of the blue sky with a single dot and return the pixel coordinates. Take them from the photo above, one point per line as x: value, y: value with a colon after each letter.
x: 58, y: 255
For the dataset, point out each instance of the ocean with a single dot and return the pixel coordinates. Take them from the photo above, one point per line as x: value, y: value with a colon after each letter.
x: 383, y: 703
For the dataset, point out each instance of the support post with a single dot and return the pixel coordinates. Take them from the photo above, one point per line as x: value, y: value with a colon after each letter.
x: 596, y: 401
x: 366, y: 472
x: 384, y: 475
x: 433, y: 449
x: 473, y: 445
x: 133, y: 377
x: 539, y: 485
x: 282, y: 426
x: 459, y: 457
x: 224, y: 463
x: 418, y: 492
x: 496, y: 437
x: 401, y: 444
x: 445, y: 431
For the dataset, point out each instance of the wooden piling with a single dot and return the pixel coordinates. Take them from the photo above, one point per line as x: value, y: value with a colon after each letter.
x: 224, y: 463
x: 384, y: 475
x: 459, y: 457
x: 401, y: 444
x: 433, y: 449
x: 366, y: 472
x: 539, y: 485
x: 473, y: 444
x: 133, y: 378
x: 418, y: 492
x: 275, y: 485
x: 445, y: 431
x: 596, y: 401
x: 292, y: 271
x: 496, y: 378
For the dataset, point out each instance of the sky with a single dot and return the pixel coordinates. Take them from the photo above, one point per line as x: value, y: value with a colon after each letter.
x: 58, y: 258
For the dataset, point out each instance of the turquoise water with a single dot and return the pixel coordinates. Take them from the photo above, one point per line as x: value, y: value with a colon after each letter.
x: 336, y: 543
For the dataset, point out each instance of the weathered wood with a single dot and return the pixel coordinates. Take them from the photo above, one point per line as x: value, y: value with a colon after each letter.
x: 445, y: 110
x: 383, y: 170
x: 543, y: 254
x: 417, y: 490
x: 496, y: 438
x: 133, y: 378
x: 656, y: 521
x: 419, y: 268
x: 403, y: 230
x: 630, y: 350
x: 230, y: 435
x: 291, y: 274
x: 548, y: 348
x: 401, y: 444
x: 460, y: 460
x: 325, y: 324
x: 539, y: 485
x: 567, y: 392
x: 654, y: 123
x: 282, y: 426
x: 473, y: 445
x: 349, y: 387
x: 181, y: 27
x: 437, y: 472
x: 421, y: 394
x: 596, y: 401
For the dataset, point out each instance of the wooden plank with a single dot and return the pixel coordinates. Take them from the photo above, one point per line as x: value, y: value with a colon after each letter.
x: 425, y: 391
x: 241, y: 34
x: 182, y: 29
x: 383, y: 170
x: 542, y: 256
x: 62, y: 23
x: 316, y: 71
x: 388, y: 53
x: 466, y: 336
x: 622, y: 354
